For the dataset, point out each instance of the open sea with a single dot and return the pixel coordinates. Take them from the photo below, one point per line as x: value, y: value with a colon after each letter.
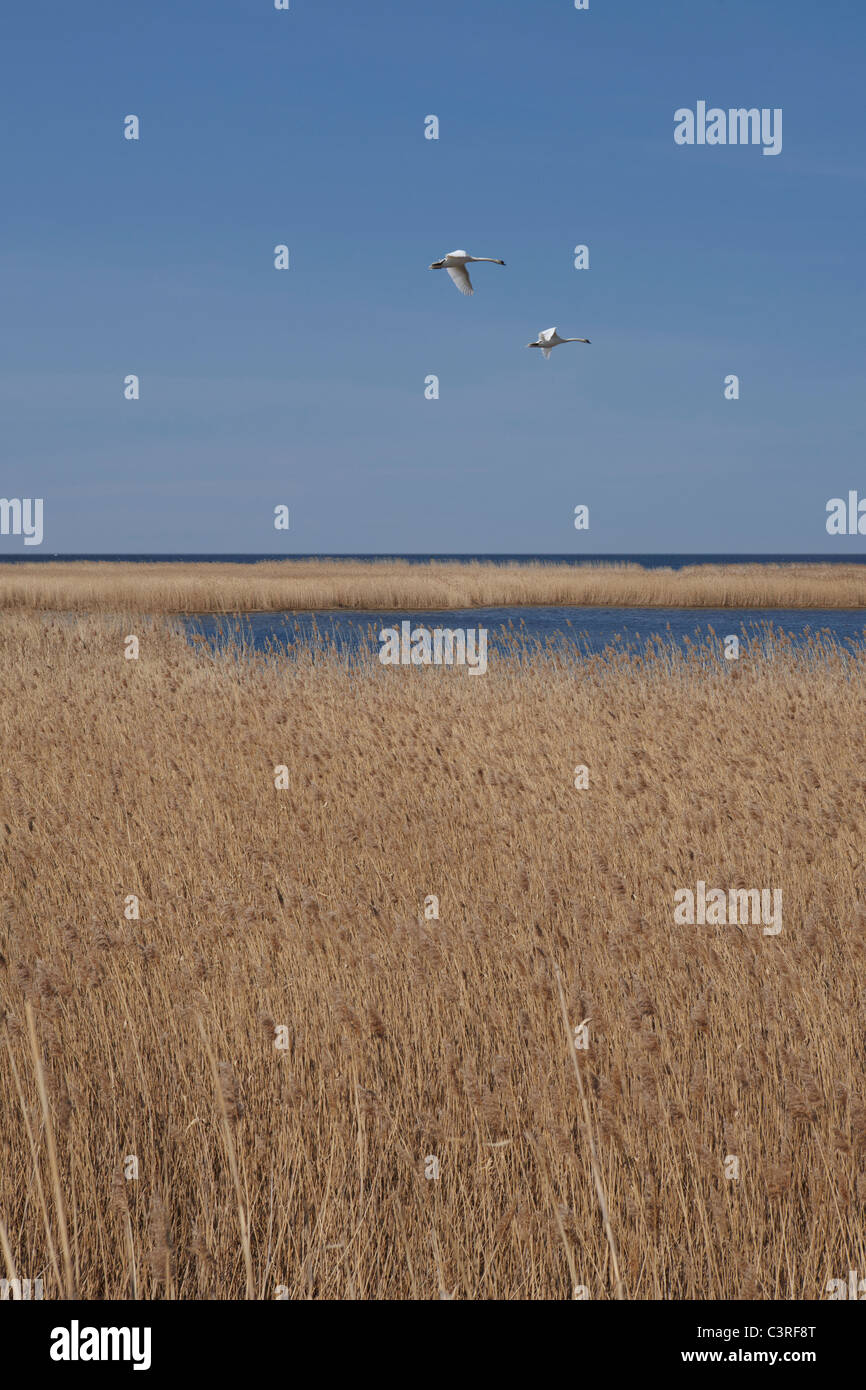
x: 650, y: 561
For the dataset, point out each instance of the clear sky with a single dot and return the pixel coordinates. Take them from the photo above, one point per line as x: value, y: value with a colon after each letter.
x: 306, y: 386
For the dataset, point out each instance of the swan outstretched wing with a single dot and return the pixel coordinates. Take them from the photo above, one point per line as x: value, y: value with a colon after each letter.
x: 460, y: 276
x: 545, y: 352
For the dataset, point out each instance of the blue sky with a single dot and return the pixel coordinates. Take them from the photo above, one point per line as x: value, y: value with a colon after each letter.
x: 306, y: 387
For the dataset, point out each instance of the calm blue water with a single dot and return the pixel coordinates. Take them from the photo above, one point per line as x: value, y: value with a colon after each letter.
x: 588, y: 629
x: 649, y: 561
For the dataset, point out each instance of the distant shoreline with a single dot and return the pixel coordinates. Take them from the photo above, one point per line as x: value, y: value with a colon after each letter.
x: 648, y: 559
x: 306, y: 585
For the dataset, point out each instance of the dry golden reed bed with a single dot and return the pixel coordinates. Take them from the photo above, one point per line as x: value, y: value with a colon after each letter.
x: 273, y: 585
x: 305, y: 1168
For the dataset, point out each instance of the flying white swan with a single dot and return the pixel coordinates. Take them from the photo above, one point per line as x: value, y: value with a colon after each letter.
x: 455, y: 263
x: 549, y: 338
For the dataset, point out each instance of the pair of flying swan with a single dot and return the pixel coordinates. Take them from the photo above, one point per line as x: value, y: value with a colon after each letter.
x: 456, y: 262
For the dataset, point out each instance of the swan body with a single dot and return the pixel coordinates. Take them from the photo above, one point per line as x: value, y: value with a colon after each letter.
x: 548, y: 338
x: 456, y: 262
